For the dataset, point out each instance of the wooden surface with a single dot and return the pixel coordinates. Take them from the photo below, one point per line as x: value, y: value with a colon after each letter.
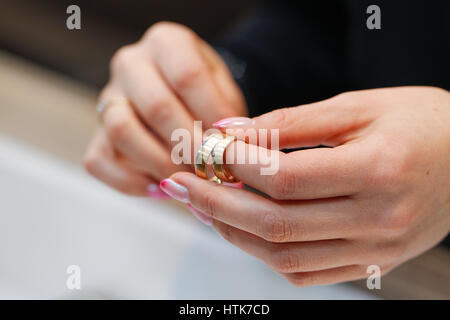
x: 57, y: 115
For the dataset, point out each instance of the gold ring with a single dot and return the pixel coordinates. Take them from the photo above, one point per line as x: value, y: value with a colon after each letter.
x: 218, y: 162
x: 103, y: 105
x: 204, y: 153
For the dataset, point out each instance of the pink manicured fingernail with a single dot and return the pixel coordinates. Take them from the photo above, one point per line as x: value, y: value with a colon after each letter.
x: 233, y: 122
x: 154, y: 191
x: 175, y: 190
x: 238, y: 185
x: 200, y: 215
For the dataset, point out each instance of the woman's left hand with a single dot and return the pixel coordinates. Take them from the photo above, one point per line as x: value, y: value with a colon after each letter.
x: 379, y: 196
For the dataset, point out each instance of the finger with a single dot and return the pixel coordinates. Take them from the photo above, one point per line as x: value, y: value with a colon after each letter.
x: 330, y: 122
x: 178, y: 55
x: 326, y: 277
x: 102, y: 164
x: 131, y: 138
x: 224, y: 79
x: 289, y: 221
x: 292, y: 257
x: 304, y: 174
x: 154, y: 101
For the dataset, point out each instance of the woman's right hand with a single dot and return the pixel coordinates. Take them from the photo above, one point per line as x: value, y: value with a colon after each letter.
x: 171, y: 77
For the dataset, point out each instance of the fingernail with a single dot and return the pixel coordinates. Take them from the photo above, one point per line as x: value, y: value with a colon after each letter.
x: 200, y: 215
x: 233, y: 122
x: 154, y: 191
x: 238, y: 185
x: 175, y: 190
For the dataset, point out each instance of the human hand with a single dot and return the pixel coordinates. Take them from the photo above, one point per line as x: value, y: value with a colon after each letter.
x: 379, y: 196
x: 171, y: 78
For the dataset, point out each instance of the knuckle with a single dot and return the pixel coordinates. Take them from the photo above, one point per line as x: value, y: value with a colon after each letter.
x: 298, y: 282
x: 394, y: 250
x: 349, y: 103
x: 188, y: 73
x: 226, y: 232
x: 352, y: 100
x: 210, y: 202
x: 117, y: 123
x: 156, y: 108
x: 106, y: 91
x: 283, y: 117
x: 282, y: 185
x: 274, y: 227
x: 403, y: 218
x: 90, y: 161
x: 280, y: 115
x: 162, y: 30
x: 158, y: 29
x: 348, y: 96
x: 386, y: 174
x: 301, y: 280
x: 390, y: 169
x: 285, y: 260
x: 398, y: 220
x: 123, y: 58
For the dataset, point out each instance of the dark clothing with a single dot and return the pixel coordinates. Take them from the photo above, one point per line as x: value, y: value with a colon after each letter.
x: 298, y: 52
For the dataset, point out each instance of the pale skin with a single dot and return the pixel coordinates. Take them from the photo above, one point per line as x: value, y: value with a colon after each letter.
x: 380, y: 195
x: 170, y: 77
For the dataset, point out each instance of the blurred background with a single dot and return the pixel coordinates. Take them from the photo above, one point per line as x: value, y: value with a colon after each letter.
x: 52, y: 215
x: 36, y: 29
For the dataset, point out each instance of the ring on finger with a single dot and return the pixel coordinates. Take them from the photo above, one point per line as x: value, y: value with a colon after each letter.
x: 103, y: 105
x: 203, y: 154
x: 218, y: 163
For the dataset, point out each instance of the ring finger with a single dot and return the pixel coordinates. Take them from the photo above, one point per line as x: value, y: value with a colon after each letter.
x: 131, y: 138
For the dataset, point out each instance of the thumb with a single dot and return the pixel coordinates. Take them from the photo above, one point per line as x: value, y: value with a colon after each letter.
x: 330, y: 122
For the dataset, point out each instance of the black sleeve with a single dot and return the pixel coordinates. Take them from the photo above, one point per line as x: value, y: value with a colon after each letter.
x: 292, y: 53
x: 304, y: 51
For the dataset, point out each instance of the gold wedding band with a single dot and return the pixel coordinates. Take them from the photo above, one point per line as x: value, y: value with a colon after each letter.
x: 214, y: 148
x: 218, y: 162
x: 203, y: 155
x: 103, y: 105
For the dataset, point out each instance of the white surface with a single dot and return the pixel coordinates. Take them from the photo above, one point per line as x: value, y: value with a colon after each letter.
x: 53, y: 215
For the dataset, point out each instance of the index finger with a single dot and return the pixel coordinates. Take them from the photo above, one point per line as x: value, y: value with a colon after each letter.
x: 304, y: 174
